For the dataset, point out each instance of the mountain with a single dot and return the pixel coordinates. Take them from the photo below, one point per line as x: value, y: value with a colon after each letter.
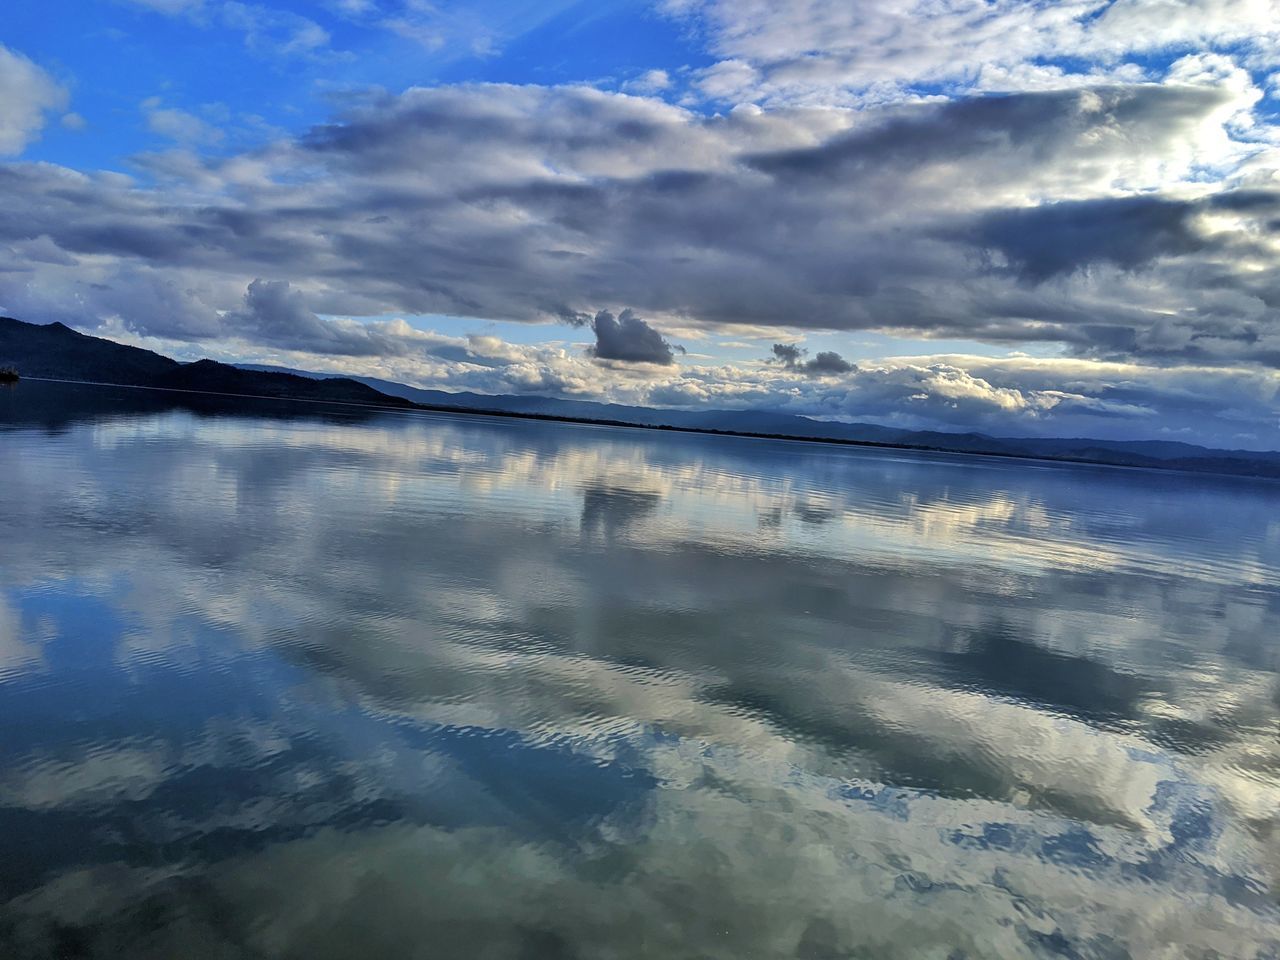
x: 1165, y: 454
x: 58, y: 352
x: 55, y: 351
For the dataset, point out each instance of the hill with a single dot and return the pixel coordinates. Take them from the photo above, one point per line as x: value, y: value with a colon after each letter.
x: 56, y: 352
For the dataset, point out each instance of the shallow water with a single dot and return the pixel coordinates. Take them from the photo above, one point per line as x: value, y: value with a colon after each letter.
x: 297, y: 681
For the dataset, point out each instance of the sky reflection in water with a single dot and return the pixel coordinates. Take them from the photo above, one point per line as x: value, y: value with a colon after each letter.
x: 336, y: 685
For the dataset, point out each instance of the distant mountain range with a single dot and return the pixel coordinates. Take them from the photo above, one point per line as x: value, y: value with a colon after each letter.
x: 57, y: 352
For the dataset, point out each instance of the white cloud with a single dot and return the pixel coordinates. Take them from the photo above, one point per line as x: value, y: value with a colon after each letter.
x: 649, y: 82
x: 815, y: 51
x: 280, y: 32
x: 179, y: 125
x: 27, y: 94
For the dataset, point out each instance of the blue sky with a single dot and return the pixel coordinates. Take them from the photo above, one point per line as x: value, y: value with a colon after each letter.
x: 1018, y: 217
x: 115, y: 55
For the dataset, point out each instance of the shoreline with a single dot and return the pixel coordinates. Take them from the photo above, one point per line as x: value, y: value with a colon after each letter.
x: 1171, y: 466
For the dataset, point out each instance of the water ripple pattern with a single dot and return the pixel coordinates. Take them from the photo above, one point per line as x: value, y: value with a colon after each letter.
x: 300, y: 684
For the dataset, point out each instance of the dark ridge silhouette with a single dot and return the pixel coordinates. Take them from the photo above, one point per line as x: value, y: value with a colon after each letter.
x: 56, y: 352
x: 55, y: 406
x: 768, y: 423
x: 209, y: 376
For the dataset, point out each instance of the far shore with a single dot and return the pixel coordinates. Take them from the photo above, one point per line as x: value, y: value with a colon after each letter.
x: 587, y: 421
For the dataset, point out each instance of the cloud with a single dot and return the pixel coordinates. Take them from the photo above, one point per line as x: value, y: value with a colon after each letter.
x: 1118, y: 217
x: 629, y: 339
x: 568, y: 197
x: 266, y: 29
x: 277, y: 315
x: 177, y: 124
x: 649, y: 82
x: 826, y: 363
x: 27, y: 94
x: 1129, y: 232
x: 814, y: 52
x: 788, y: 354
x: 280, y: 32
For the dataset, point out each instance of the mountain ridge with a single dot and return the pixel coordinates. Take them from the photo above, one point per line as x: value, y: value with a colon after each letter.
x: 55, y: 351
x: 773, y: 422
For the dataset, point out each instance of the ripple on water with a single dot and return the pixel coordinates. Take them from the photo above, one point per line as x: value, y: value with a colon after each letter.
x: 389, y: 686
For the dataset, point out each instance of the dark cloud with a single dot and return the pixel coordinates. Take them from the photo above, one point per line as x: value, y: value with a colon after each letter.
x: 825, y: 363
x: 828, y: 362
x: 1037, y: 125
x: 629, y: 339
x: 610, y: 510
x: 1247, y: 200
x: 1058, y: 238
x: 787, y: 353
x: 381, y: 133
x: 275, y: 314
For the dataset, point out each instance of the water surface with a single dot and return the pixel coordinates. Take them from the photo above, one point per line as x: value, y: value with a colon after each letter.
x: 281, y: 680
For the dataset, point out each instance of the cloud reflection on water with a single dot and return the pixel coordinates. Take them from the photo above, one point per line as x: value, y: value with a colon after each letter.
x: 293, y: 686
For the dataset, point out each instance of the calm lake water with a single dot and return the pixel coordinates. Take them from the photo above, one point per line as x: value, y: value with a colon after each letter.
x: 297, y: 681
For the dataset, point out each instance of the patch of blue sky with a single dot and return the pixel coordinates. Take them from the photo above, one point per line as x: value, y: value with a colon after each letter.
x: 607, y: 43
x: 124, y: 57
x: 511, y: 331
x: 247, y: 85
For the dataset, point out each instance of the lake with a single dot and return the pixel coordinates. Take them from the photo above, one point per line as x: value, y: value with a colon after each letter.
x: 304, y: 681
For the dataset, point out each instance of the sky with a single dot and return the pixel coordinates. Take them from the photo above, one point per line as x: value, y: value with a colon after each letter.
x: 1021, y: 218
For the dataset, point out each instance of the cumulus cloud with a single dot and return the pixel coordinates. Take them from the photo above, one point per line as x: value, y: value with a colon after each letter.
x: 788, y: 354
x: 649, y: 82
x: 628, y: 338
x: 27, y: 94
x: 275, y: 314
